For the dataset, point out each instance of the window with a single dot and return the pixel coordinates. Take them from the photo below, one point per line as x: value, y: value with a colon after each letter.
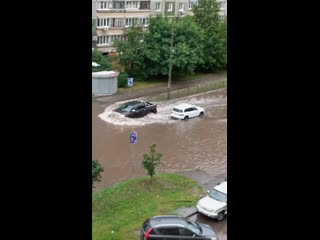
x: 191, y: 4
x: 103, y: 22
x: 132, y: 4
x: 221, y: 18
x: 185, y: 232
x: 170, y: 7
x: 158, y: 6
x: 118, y: 5
x: 144, y: 5
x: 169, y: 231
x: 181, y: 6
x: 104, y: 5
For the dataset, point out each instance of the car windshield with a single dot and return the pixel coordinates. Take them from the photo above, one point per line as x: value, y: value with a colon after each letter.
x: 177, y: 110
x: 126, y: 108
x: 194, y: 227
x: 219, y: 196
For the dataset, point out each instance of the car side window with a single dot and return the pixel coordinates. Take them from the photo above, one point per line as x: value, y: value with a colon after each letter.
x: 187, y: 110
x: 194, y: 109
x: 185, y: 232
x: 169, y: 231
x: 140, y: 107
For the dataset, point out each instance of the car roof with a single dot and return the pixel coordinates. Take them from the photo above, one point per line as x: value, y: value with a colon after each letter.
x: 183, y: 106
x: 222, y: 187
x: 161, y: 221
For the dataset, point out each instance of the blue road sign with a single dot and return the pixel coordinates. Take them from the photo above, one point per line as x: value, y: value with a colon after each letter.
x: 130, y: 82
x: 133, y: 137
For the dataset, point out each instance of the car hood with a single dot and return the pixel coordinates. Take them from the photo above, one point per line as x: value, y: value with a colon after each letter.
x: 211, y: 204
x: 207, y: 230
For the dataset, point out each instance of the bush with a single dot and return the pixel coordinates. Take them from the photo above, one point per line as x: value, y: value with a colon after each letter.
x: 122, y: 80
x: 102, y: 60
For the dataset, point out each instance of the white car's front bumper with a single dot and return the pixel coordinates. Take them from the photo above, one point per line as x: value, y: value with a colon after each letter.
x: 207, y: 213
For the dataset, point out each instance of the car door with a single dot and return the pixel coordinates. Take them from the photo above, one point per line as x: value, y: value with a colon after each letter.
x: 168, y: 233
x: 142, y: 110
x: 186, y: 234
x: 187, y: 112
x: 194, y: 112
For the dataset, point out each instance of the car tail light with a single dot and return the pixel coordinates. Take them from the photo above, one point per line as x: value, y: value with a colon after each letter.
x: 146, y: 235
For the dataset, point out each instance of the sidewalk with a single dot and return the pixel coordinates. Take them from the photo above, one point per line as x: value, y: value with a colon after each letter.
x: 157, y: 90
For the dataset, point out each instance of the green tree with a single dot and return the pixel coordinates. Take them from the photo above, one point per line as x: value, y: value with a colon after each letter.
x: 131, y: 53
x: 102, y: 60
x: 96, y: 170
x: 206, y: 15
x: 151, y: 160
x: 187, y: 45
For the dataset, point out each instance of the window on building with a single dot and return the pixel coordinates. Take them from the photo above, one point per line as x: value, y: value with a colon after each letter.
x: 103, y: 22
x: 221, y: 17
x: 170, y: 7
x: 191, y: 4
x: 104, y: 5
x: 118, y: 5
x: 158, y: 6
x: 181, y: 6
x: 144, y: 5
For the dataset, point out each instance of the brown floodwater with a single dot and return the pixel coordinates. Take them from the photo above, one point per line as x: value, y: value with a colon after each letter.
x: 199, y: 143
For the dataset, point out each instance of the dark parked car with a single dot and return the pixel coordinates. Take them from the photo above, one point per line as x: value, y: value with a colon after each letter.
x: 136, y: 109
x: 175, y: 227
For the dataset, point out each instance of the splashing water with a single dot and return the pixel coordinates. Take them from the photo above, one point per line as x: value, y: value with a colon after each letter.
x: 164, y: 110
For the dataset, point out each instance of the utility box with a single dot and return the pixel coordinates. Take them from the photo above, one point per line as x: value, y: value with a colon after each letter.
x: 104, y: 83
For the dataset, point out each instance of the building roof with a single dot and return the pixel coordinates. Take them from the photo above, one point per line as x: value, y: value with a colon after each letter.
x: 104, y: 74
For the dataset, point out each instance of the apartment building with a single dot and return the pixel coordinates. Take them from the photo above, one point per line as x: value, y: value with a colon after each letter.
x: 113, y: 17
x: 94, y: 24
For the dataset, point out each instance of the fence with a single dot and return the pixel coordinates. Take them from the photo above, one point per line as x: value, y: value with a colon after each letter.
x: 202, y: 87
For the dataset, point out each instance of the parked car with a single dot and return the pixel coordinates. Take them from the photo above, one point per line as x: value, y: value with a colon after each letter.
x: 175, y: 227
x: 214, y: 205
x: 186, y: 111
x: 136, y: 109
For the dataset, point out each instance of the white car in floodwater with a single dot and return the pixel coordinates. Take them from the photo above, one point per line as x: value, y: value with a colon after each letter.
x: 185, y: 111
x: 214, y: 205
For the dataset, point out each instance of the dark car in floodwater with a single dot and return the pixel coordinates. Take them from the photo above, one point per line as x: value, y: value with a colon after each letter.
x: 136, y: 109
x: 175, y: 227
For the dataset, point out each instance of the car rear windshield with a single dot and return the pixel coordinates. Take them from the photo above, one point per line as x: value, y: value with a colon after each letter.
x: 177, y: 110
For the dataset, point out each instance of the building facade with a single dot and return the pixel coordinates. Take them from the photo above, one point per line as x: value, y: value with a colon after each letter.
x: 111, y: 18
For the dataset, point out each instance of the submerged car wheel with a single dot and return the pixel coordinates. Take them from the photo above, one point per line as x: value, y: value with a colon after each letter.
x: 155, y: 111
x: 220, y: 216
x: 186, y: 118
x: 201, y: 114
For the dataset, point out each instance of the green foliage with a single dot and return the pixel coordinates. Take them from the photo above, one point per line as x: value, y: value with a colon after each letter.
x: 96, y: 170
x: 206, y: 15
x: 102, y: 60
x: 151, y: 160
x: 187, y: 45
x: 131, y: 53
x: 122, y: 80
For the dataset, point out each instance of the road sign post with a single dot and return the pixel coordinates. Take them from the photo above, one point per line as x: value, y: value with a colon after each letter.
x: 133, y: 138
x: 130, y: 84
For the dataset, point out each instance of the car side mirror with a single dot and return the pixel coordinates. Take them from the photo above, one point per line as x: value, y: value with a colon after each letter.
x: 208, y: 191
x: 133, y: 110
x: 193, y: 235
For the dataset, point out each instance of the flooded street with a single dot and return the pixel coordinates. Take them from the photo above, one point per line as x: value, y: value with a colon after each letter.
x: 186, y: 145
x: 196, y: 144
